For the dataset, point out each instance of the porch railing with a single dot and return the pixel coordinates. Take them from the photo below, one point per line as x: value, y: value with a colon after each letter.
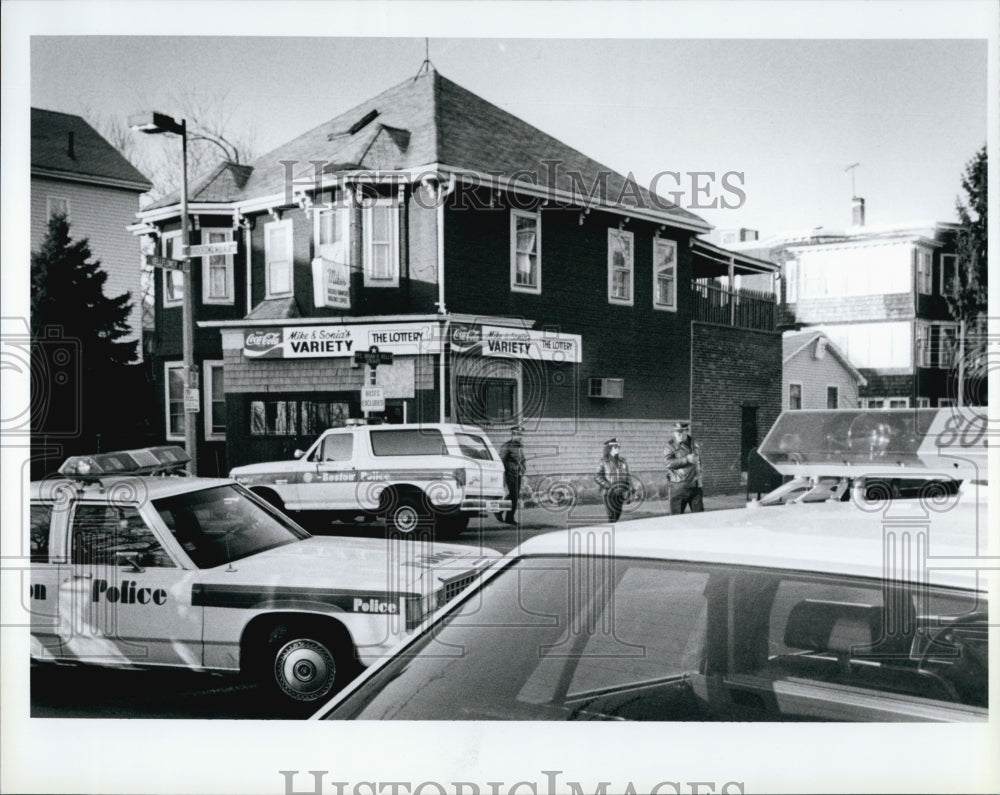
x: 751, y: 309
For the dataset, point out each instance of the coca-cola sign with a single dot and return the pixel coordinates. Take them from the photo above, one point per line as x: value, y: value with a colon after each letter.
x: 465, y: 335
x: 263, y: 343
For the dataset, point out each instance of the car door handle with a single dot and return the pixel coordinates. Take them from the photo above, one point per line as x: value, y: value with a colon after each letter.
x: 83, y: 576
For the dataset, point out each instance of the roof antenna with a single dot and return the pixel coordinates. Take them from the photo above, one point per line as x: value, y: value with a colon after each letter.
x: 426, y: 67
x: 851, y: 169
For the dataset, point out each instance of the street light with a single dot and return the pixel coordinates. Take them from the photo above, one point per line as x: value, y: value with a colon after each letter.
x: 153, y: 123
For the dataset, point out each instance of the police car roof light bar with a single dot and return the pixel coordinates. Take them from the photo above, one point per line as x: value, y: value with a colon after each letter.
x: 160, y: 460
x: 902, y: 443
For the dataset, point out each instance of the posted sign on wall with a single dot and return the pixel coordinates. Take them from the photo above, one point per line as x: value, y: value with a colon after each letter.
x: 311, y: 342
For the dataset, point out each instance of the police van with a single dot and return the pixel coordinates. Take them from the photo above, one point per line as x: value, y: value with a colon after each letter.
x: 133, y: 565
x: 428, y: 478
x: 858, y: 591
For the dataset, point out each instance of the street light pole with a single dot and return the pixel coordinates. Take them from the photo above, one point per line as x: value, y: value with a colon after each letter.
x: 152, y: 124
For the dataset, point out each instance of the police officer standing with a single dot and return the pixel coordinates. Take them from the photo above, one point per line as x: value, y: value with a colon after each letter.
x: 514, y: 467
x: 683, y: 471
x: 613, y: 479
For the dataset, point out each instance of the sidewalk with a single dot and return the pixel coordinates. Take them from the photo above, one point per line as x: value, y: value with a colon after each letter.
x: 536, y: 517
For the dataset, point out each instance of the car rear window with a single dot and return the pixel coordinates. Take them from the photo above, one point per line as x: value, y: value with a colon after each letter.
x: 473, y: 446
x: 417, y: 441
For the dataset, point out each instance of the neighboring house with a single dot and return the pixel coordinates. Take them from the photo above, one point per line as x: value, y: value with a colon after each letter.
x: 511, y: 278
x: 878, y: 293
x: 76, y: 172
x: 816, y: 374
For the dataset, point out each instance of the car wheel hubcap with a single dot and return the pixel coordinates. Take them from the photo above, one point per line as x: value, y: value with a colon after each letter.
x: 304, y: 670
x: 406, y: 520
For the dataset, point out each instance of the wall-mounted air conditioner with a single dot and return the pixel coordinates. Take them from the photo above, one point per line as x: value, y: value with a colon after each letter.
x: 608, y: 388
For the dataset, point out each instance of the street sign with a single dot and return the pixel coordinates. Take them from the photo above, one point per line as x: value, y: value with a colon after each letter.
x: 154, y: 261
x: 213, y: 249
x: 372, y: 398
x: 192, y: 400
x: 373, y: 357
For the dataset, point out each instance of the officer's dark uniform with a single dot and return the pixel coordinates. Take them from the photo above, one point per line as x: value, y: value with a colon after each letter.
x: 514, y: 467
x: 683, y: 471
x: 613, y: 479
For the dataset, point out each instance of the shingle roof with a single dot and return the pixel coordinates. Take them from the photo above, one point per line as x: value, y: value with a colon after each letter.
x: 793, y: 343
x: 90, y: 155
x: 430, y: 119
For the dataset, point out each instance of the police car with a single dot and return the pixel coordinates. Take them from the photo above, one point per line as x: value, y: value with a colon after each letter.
x: 421, y: 478
x: 132, y: 567
x: 806, y: 606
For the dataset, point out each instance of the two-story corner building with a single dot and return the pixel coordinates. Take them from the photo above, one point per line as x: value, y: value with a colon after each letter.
x: 878, y: 293
x: 511, y: 278
x: 816, y: 374
x: 77, y: 173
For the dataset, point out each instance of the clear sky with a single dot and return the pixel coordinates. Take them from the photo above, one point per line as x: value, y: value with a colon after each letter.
x: 789, y: 114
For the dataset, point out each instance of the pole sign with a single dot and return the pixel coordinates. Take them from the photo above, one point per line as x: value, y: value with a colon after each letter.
x: 373, y: 357
x: 154, y: 261
x: 372, y: 398
x: 213, y: 249
x: 192, y: 400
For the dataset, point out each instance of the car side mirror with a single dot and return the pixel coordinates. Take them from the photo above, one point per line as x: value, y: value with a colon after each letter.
x: 299, y: 453
x: 130, y: 559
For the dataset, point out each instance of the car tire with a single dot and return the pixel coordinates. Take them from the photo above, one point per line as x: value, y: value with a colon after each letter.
x: 406, y: 517
x: 306, y: 665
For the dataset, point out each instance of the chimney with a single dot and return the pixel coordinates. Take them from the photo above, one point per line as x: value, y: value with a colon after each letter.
x: 69, y: 149
x: 857, y: 211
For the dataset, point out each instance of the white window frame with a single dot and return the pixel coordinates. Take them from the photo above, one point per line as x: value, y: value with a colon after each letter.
x: 172, y: 278
x: 924, y: 344
x: 923, y: 403
x: 535, y: 288
x: 924, y: 271
x: 953, y: 358
x: 169, y: 435
x: 206, y: 379
x: 288, y: 256
x: 629, y: 268
x: 789, y: 395
x: 207, y: 265
x: 368, y: 229
x: 48, y: 206
x: 344, y: 212
x: 869, y: 401
x: 659, y: 242
x: 836, y: 388
x: 953, y: 259
x: 946, y: 403
x: 890, y: 400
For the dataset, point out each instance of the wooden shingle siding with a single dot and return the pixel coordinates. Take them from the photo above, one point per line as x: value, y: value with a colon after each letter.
x: 855, y: 308
x: 99, y: 214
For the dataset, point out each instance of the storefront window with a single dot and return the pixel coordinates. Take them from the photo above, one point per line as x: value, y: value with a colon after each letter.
x: 296, y: 417
x: 486, y: 400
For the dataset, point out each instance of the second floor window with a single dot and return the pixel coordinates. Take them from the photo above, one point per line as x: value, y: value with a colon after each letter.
x: 278, y: 258
x: 794, y: 396
x: 173, y: 281
x: 381, y: 231
x: 217, y: 270
x: 664, y: 274
x: 620, y: 266
x: 56, y: 205
x: 525, y: 252
x: 949, y: 274
x: 832, y: 397
x: 925, y: 282
x: 332, y: 235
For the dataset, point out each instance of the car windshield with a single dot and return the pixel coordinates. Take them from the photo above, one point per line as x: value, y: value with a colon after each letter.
x: 591, y: 638
x: 224, y: 523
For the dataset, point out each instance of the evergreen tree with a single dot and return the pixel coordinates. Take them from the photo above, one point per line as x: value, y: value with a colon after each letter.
x: 969, y: 303
x: 67, y: 292
x: 85, y: 392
